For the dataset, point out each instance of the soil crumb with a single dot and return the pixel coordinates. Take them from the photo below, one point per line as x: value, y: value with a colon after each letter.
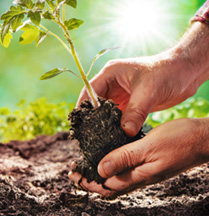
x: 33, y: 181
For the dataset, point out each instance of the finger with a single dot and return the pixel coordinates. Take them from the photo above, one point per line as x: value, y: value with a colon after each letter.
x: 97, y: 188
x: 99, y: 85
x: 76, y: 177
x: 73, y: 164
x: 83, y: 96
x: 92, y: 186
x: 140, y: 176
x: 139, y: 106
x: 88, y: 186
x: 121, y: 159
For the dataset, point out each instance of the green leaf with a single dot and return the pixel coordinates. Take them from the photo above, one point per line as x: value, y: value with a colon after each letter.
x: 42, y: 36
x: 99, y: 54
x: 25, y: 3
x: 51, y: 4
x: 40, y: 4
x: 72, y: 3
x: 17, y: 21
x: 52, y: 73
x: 5, y: 29
x: 14, y: 11
x: 32, y: 119
x: 104, y: 51
x: 35, y: 17
x: 7, y: 40
x: 15, y: 14
x: 31, y: 33
x: 73, y: 23
x: 59, y: 1
x: 48, y: 15
x: 4, y: 111
x: 191, y: 108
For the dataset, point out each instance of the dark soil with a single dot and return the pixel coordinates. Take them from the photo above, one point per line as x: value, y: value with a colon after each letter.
x: 98, y: 132
x: 33, y: 181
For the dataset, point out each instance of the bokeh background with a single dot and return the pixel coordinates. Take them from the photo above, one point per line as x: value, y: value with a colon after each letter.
x: 106, y: 24
x: 22, y: 65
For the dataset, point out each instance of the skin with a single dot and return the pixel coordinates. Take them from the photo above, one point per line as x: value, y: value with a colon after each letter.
x: 147, y: 84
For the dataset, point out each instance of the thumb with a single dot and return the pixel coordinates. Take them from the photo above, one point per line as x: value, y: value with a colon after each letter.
x: 136, y: 111
x: 121, y: 159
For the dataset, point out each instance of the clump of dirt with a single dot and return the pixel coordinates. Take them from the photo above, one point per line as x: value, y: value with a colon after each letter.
x: 98, y: 132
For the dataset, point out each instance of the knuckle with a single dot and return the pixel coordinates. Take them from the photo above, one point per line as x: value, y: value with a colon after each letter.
x: 108, y: 68
x: 111, y: 62
x: 127, y: 158
x: 112, y: 65
x: 139, y: 113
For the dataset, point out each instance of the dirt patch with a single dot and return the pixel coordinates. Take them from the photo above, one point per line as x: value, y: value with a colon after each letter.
x: 33, y: 181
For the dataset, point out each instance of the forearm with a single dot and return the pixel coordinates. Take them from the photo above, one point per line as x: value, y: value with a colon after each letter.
x: 193, y: 50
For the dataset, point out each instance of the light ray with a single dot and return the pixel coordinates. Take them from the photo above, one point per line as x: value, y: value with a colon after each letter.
x: 140, y: 27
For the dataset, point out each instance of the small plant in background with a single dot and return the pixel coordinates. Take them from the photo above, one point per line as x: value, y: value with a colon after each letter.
x: 28, y: 15
x: 191, y: 108
x: 41, y: 117
x: 38, y: 117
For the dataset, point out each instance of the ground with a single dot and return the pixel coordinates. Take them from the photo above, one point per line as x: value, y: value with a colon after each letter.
x: 33, y: 181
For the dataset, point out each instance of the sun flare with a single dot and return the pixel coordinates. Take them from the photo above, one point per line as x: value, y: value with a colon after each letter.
x: 137, y: 26
x: 138, y: 23
x: 136, y: 19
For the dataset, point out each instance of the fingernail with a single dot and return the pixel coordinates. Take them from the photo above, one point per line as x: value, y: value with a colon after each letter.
x: 130, y: 128
x: 72, y: 165
x: 107, y: 169
x: 70, y: 174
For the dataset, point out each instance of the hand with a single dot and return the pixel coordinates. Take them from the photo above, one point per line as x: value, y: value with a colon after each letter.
x: 166, y: 151
x: 147, y: 84
x: 143, y: 85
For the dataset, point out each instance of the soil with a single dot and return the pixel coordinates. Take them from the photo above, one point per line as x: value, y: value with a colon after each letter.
x: 98, y: 132
x: 33, y: 181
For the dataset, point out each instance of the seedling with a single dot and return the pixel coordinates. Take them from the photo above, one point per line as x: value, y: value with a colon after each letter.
x: 27, y: 15
x: 99, y: 132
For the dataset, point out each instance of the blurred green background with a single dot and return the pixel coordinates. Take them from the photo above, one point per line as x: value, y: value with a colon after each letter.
x: 22, y: 65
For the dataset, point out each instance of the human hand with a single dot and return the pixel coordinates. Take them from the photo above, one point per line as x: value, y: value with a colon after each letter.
x: 147, y: 84
x: 143, y: 85
x: 167, y: 150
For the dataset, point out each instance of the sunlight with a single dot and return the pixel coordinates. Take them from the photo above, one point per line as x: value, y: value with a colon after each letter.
x: 136, y: 19
x: 138, y: 24
x: 139, y: 27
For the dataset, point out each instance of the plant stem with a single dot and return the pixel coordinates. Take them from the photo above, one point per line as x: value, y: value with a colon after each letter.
x: 63, y: 13
x: 90, y: 90
x: 57, y: 37
x: 92, y: 64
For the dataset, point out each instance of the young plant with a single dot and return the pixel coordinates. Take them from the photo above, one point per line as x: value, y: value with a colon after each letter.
x: 99, y: 131
x: 32, y: 119
x: 27, y: 15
